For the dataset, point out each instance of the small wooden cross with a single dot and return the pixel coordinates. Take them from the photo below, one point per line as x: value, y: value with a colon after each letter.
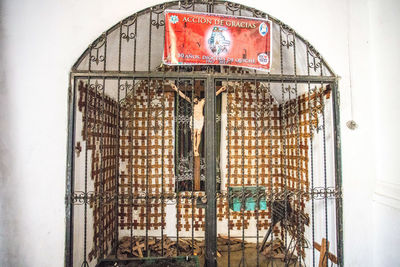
x: 324, y: 250
x: 138, y: 248
x: 78, y: 148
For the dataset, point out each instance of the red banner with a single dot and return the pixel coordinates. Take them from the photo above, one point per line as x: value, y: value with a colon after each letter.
x: 214, y: 39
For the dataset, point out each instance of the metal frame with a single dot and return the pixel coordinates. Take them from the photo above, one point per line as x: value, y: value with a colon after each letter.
x: 338, y: 171
x: 204, y: 75
x: 69, y: 173
x: 211, y: 77
x: 211, y: 209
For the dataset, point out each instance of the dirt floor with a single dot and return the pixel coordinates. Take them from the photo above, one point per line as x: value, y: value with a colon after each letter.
x: 150, y: 262
x: 187, y: 247
x: 235, y: 261
x: 250, y: 258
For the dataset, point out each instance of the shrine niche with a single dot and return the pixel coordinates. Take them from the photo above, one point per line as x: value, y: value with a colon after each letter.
x: 221, y: 164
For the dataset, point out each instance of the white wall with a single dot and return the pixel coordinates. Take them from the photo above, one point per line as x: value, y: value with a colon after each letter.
x: 40, y: 40
x: 385, y: 36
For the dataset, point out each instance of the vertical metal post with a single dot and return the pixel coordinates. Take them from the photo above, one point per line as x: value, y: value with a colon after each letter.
x: 243, y: 199
x: 193, y: 163
x: 115, y: 241
x: 147, y: 168
x: 69, y: 184
x: 211, y: 211
x: 257, y: 211
x: 130, y: 126
x: 101, y: 123
x: 228, y: 123
x: 177, y: 140
x: 338, y: 172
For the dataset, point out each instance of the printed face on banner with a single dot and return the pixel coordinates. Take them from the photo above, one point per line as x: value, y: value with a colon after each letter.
x: 212, y: 39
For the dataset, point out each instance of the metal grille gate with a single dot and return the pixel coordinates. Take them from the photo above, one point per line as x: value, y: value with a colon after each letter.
x: 131, y: 162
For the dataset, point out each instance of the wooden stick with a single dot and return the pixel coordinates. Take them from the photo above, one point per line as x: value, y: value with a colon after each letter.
x: 233, y: 240
x: 197, y: 173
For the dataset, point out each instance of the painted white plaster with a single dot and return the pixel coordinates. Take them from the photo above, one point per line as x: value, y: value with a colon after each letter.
x: 40, y: 40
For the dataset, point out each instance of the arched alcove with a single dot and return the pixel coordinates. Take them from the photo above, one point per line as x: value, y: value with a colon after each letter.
x: 269, y: 153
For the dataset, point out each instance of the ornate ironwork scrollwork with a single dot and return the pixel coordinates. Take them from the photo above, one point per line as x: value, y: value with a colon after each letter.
x: 126, y: 24
x: 316, y: 106
x: 232, y: 6
x: 125, y: 86
x: 291, y: 108
x: 95, y: 87
x: 158, y: 10
x: 315, y: 62
x: 263, y: 111
x: 156, y: 107
x: 289, y: 89
x: 183, y: 120
x: 289, y: 36
x: 95, y: 46
x: 186, y: 4
x: 108, y: 198
x: 185, y: 169
x: 257, y: 13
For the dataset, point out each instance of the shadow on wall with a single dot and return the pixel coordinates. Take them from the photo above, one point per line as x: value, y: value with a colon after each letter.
x: 7, y: 220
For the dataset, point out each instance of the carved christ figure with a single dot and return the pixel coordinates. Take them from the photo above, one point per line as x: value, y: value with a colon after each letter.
x: 198, y: 117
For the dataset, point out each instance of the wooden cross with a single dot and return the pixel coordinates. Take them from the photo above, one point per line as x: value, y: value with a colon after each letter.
x: 324, y: 250
x: 78, y: 148
x: 139, y: 246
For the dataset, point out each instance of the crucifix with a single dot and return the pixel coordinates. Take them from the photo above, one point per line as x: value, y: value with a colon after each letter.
x: 197, y: 126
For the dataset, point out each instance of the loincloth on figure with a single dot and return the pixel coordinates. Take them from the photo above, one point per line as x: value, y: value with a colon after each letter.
x: 198, y: 123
